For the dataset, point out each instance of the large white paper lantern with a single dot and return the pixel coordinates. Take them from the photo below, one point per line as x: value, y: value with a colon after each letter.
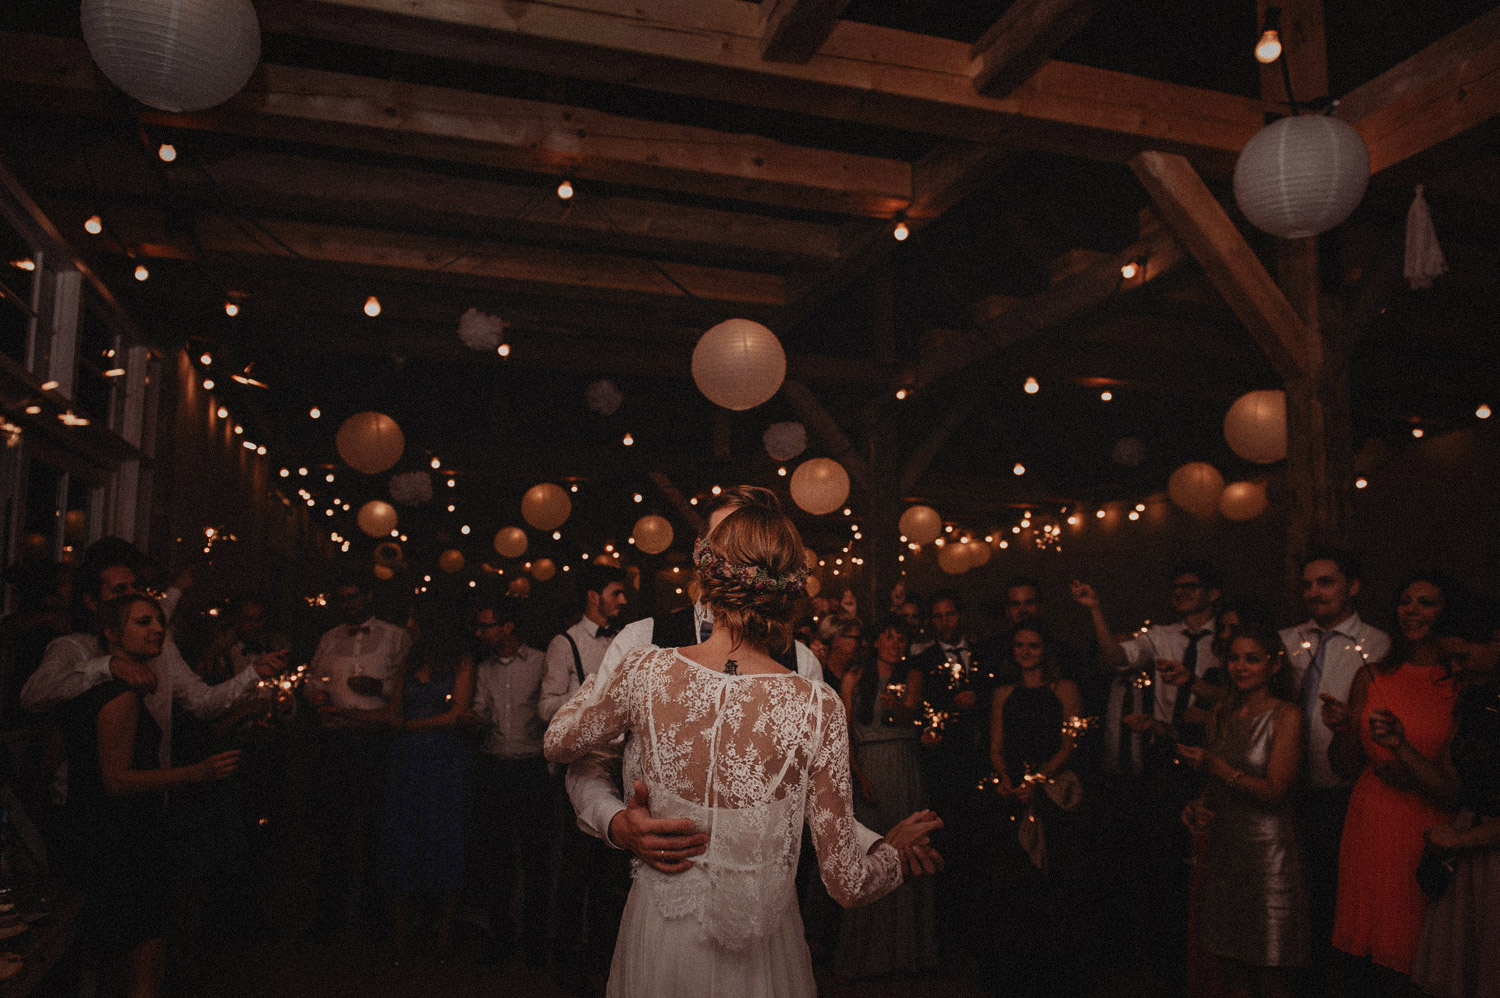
x: 785, y: 441
x: 1243, y: 500
x: 510, y: 542
x: 520, y: 587
x: 451, y: 560
x: 384, y: 572
x: 370, y: 442
x: 978, y: 553
x: 738, y: 364
x: 1255, y: 426
x: 377, y: 518
x: 546, y: 506
x: 1196, y: 487
x: 543, y: 569
x: 953, y: 559
x: 175, y: 55
x: 921, y: 524
x: 1301, y: 175
x: 653, y: 534
x: 820, y: 485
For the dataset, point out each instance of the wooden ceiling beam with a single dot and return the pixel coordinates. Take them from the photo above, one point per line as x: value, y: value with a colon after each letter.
x: 1196, y: 217
x: 792, y: 30
x: 1024, y: 38
x: 880, y: 76
x: 385, y: 116
x: 1444, y: 90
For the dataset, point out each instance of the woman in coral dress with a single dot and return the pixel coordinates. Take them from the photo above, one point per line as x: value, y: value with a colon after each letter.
x: 1393, y: 731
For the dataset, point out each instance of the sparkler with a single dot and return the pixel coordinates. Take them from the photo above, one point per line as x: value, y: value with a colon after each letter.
x: 1075, y: 726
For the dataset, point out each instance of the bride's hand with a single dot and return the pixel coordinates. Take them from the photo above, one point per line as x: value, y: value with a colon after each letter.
x: 910, y: 839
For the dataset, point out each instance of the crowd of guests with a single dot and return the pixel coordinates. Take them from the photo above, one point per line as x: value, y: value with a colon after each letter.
x: 1313, y: 809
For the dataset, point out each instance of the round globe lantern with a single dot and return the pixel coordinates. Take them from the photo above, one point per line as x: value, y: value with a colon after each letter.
x: 1196, y: 487
x: 953, y: 558
x: 1301, y: 176
x: 1243, y: 500
x: 174, y: 55
x: 653, y: 534
x: 546, y: 506
x: 510, y: 542
x: 1255, y: 426
x: 384, y: 572
x: 377, y: 518
x: 920, y: 524
x: 451, y: 560
x: 543, y: 569
x: 820, y: 485
x: 370, y: 442
x: 738, y: 364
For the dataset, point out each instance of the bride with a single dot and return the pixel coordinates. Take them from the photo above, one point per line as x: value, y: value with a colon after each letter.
x: 747, y: 750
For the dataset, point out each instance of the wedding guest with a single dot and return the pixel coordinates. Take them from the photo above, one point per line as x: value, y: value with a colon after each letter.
x: 118, y: 785
x: 244, y: 636
x: 844, y: 636
x: 1459, y: 953
x: 1253, y: 915
x: 883, y: 698
x: 423, y: 852
x: 1392, y: 732
x: 1022, y: 605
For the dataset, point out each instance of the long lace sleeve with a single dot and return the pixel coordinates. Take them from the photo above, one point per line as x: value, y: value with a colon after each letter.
x: 596, y: 715
x: 852, y: 877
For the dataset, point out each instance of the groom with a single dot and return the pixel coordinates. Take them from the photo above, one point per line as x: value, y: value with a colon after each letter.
x: 669, y: 844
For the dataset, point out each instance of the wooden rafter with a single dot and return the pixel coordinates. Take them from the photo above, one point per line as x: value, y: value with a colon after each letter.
x: 1024, y: 38
x: 711, y: 49
x: 1192, y: 212
x: 792, y: 30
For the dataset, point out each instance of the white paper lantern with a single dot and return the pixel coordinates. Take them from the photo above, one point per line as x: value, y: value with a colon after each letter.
x: 785, y: 441
x: 921, y: 524
x: 510, y: 542
x: 480, y: 331
x: 820, y: 485
x: 953, y: 559
x: 814, y: 586
x: 1243, y: 500
x: 604, y: 397
x: 653, y: 534
x: 370, y: 442
x: 377, y: 518
x: 384, y: 572
x: 175, y: 55
x: 451, y: 560
x: 1196, y: 487
x: 738, y: 364
x: 411, y: 488
x: 543, y: 569
x: 519, y: 587
x: 388, y: 552
x: 1301, y: 175
x: 810, y: 559
x: 978, y: 553
x: 1255, y: 426
x: 546, y: 506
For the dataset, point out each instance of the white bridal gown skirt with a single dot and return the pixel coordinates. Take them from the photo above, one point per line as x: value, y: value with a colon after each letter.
x: 660, y: 957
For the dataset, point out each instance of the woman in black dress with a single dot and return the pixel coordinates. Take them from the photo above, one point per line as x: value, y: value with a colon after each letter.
x: 117, y: 800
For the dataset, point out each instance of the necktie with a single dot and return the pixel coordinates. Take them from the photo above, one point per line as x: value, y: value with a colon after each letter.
x: 1190, y: 663
x: 1312, y: 679
x: 606, y: 632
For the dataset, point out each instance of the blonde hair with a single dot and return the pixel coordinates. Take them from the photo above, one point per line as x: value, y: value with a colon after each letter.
x: 756, y: 536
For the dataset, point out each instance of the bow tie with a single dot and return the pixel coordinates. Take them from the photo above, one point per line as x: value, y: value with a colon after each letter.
x: 359, y: 630
x: 606, y: 632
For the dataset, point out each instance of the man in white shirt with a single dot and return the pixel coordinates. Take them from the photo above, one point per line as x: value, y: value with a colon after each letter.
x: 350, y: 681
x: 512, y: 794
x: 1324, y: 653
x: 591, y: 876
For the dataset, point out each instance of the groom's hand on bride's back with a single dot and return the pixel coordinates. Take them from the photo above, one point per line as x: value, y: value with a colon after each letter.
x: 665, y: 844
x: 911, y: 838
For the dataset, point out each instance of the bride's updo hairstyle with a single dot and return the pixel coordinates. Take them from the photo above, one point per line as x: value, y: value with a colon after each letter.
x: 750, y: 572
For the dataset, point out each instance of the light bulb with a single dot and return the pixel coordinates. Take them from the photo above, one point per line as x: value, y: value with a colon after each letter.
x: 464, y: 529
x: 503, y: 349
x: 781, y: 471
x: 222, y: 412
x: 285, y: 472
x: 638, y: 497
x: 1135, y: 514
x: 94, y: 225
x: 1130, y: 270
x: 208, y: 384
x: 141, y: 273
x: 1032, y: 386
x: 1019, y: 469
x: 314, y: 413
x: 167, y: 152
x: 231, y: 309
x: 557, y: 535
x: 206, y: 360
x: 435, y: 463
x: 1361, y: 482
x: 1418, y: 432
x: 372, y: 306
x: 1105, y: 396
x: 239, y: 430
x: 329, y: 479
x: 261, y: 450
x: 1483, y: 412
x: 900, y: 232
x: 1268, y: 49
x: 565, y: 189
x: 629, y: 440
x: 452, y: 483
x: 1100, y: 514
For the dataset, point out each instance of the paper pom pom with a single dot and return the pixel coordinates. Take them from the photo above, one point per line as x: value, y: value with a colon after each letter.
x: 785, y: 441
x: 604, y: 397
x: 411, y: 488
x: 480, y: 331
x: 1130, y: 452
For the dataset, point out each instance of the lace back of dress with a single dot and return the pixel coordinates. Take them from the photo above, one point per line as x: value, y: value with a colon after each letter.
x: 713, y: 743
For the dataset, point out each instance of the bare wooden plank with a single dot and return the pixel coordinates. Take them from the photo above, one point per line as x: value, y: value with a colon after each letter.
x: 1024, y: 38
x: 827, y: 430
x: 792, y: 30
x: 1195, y: 216
x: 711, y: 49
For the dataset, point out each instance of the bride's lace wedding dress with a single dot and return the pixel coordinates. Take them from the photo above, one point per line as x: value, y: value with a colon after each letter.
x: 746, y: 758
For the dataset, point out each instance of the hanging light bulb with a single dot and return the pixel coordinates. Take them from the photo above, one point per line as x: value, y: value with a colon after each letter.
x: 141, y: 273
x: 372, y: 306
x: 93, y: 225
x: 1483, y: 412
x: 1019, y: 469
x: 1130, y: 270
x: 629, y: 440
x: 223, y: 413
x: 1361, y: 482
x: 901, y: 231
x: 565, y: 189
x: 208, y: 384
x: 1418, y: 432
x: 231, y: 309
x: 314, y: 413
x: 1268, y: 47
x: 1105, y: 396
x: 503, y: 349
x: 1032, y: 386
x: 167, y: 151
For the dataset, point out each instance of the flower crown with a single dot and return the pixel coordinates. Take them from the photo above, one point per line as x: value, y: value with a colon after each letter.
x: 752, y: 577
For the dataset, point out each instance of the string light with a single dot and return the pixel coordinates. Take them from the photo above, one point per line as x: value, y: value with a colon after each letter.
x: 302, y: 472
x: 503, y: 349
x: 93, y: 225
x: 286, y: 472
x: 901, y: 231
x: 565, y: 189
x: 32, y: 410
x: 1135, y: 514
x: 141, y: 273
x: 901, y: 394
x: 208, y: 384
x: 781, y: 471
x: 167, y: 152
x: 238, y: 429
x: 329, y: 479
x: 1361, y: 482
x: 1100, y: 514
x: 315, y: 413
x: 372, y: 306
x: 49, y: 386
x: 1483, y: 412
x: 1268, y: 46
x: 435, y: 464
x: 1418, y: 432
x: 1074, y: 520
x: 452, y: 483
x: 464, y: 529
x: 222, y: 412
x: 557, y: 535
x: 261, y: 450
x: 1032, y: 386
x: 629, y: 440
x: 231, y: 309
x: 1130, y: 270
x: 1106, y: 395
x: 1018, y: 469
x: 637, y: 497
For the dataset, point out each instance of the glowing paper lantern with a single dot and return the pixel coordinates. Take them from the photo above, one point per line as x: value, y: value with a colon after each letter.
x: 785, y: 441
x: 519, y: 587
x: 953, y: 559
x: 388, y: 553
x: 1196, y: 487
x: 1243, y: 500
x: 377, y: 518
x: 810, y: 559
x: 510, y: 542
x: 451, y: 560
x: 384, y: 572
x: 814, y: 586
x: 543, y: 569
x: 653, y: 534
x: 921, y: 524
x: 175, y: 55
x: 1255, y: 426
x: 738, y: 364
x: 1301, y: 175
x: 820, y: 485
x: 546, y: 506
x: 370, y: 442
x: 978, y: 553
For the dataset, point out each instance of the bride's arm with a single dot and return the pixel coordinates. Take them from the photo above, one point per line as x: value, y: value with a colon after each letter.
x: 596, y: 715
x: 852, y: 876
